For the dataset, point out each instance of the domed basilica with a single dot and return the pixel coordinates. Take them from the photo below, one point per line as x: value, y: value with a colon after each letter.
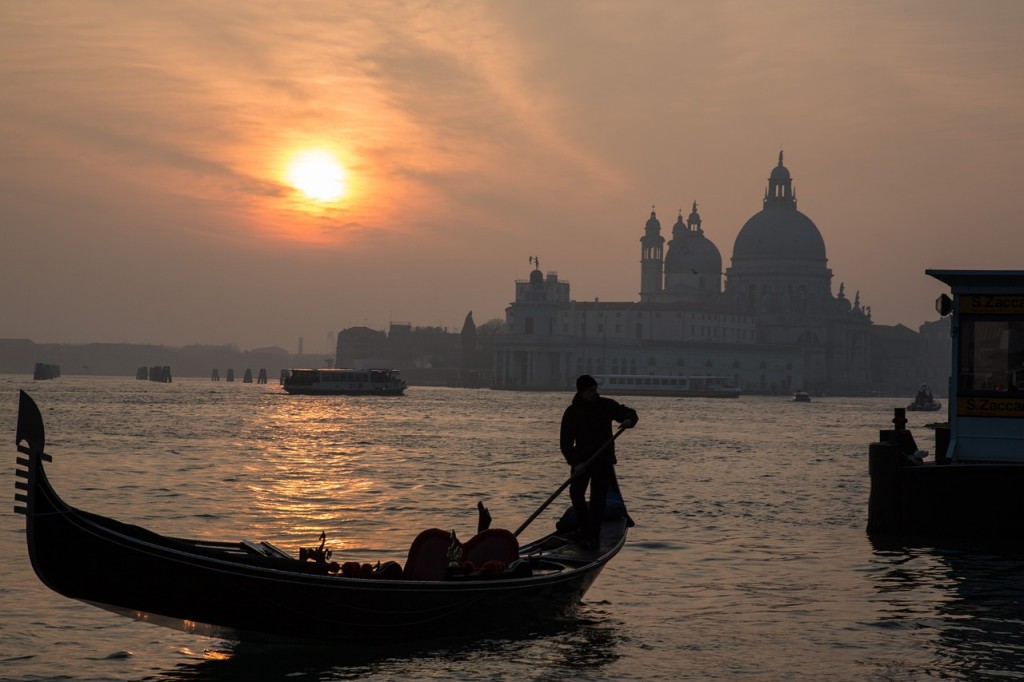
x: 774, y: 327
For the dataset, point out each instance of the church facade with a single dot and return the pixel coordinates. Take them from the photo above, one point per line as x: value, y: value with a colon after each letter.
x: 773, y: 327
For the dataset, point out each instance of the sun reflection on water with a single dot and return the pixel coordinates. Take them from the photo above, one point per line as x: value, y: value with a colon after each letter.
x: 329, y: 469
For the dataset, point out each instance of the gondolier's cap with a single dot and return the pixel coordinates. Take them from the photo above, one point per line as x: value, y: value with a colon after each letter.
x: 584, y: 382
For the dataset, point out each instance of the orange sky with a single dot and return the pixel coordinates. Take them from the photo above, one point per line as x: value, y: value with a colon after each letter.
x: 145, y: 146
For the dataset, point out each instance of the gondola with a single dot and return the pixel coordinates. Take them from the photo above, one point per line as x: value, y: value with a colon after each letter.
x: 248, y: 590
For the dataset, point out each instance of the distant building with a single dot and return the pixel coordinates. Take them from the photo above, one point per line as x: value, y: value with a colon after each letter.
x: 424, y: 355
x: 895, y: 360
x: 550, y: 341
x: 359, y: 347
x: 775, y: 327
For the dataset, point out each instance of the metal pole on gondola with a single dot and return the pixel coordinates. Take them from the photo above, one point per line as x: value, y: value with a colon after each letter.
x: 586, y: 465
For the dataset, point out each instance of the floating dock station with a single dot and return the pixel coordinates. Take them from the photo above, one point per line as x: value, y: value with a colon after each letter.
x: 972, y: 488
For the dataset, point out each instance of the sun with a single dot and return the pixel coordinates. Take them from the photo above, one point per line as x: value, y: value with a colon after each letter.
x: 318, y: 175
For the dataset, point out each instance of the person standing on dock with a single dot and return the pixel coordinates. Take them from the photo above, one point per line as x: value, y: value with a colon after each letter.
x: 586, y: 429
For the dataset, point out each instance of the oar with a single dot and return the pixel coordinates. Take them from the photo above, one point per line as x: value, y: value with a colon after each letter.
x: 586, y: 465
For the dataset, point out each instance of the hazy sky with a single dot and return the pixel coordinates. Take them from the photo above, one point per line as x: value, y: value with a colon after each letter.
x: 145, y: 191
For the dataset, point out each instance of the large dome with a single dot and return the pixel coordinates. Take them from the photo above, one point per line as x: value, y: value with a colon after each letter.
x: 779, y: 233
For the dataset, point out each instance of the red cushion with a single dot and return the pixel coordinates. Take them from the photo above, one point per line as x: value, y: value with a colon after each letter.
x: 428, y: 555
x: 493, y: 544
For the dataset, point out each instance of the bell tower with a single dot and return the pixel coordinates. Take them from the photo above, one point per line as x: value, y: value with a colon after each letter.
x: 652, y: 258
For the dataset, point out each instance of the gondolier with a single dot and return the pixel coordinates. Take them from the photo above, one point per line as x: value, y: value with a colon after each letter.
x: 586, y: 428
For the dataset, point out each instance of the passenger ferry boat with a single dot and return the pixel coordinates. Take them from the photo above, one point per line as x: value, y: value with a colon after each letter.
x: 971, y: 489
x: 343, y: 382
x: 665, y: 385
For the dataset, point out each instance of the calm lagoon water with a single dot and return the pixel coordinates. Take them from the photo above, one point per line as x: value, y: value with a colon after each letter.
x: 749, y: 559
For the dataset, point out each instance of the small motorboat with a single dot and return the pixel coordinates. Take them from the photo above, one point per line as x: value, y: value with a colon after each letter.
x: 255, y: 590
x: 924, y: 402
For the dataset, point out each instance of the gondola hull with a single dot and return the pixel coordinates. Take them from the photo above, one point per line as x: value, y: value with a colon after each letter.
x: 219, y: 589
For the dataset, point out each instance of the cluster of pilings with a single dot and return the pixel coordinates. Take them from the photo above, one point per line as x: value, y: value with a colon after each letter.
x: 246, y: 378
x: 155, y: 373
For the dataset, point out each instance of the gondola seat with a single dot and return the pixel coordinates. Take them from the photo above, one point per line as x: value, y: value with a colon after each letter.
x: 493, y: 544
x: 428, y: 555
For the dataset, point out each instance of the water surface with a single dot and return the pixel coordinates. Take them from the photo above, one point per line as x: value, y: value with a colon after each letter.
x: 749, y: 559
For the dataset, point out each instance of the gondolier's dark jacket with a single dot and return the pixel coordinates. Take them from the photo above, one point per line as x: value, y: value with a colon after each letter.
x: 587, y: 425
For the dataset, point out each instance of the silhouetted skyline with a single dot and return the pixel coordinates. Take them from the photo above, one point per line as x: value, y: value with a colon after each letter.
x: 252, y: 173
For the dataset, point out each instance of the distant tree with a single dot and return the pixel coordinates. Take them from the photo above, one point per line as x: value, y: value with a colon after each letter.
x: 492, y: 327
x: 468, y: 335
x: 485, y: 335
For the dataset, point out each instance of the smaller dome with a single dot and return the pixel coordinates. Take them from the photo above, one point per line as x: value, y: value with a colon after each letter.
x: 692, y: 258
x: 694, y: 253
x: 536, y: 278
